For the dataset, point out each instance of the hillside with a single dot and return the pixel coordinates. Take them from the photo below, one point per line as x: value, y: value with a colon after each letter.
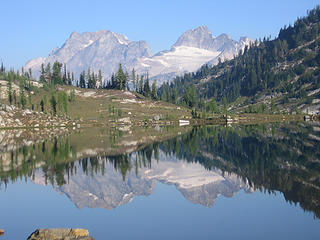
x: 53, y: 105
x: 274, y: 75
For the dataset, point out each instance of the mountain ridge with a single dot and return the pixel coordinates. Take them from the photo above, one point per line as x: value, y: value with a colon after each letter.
x: 104, y: 50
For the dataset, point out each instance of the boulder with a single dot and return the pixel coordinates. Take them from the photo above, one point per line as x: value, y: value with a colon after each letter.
x: 157, y: 117
x: 60, y: 234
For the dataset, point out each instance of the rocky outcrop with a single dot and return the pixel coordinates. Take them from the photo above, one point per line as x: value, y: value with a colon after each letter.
x: 60, y: 234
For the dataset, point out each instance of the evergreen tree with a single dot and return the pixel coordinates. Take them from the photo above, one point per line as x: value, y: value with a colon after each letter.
x: 213, y: 106
x: 42, y: 78
x: 69, y: 81
x: 23, y: 100
x: 82, y: 81
x: 15, y: 97
x: 146, y: 87
x: 56, y: 73
x: 174, y: 95
x: 9, y: 86
x: 92, y: 82
x: 64, y: 77
x: 48, y: 73
x: 2, y: 68
x: 42, y: 105
x: 154, y: 91
x: 120, y: 78
x: 191, y: 98
x: 53, y: 103
x: 141, y: 84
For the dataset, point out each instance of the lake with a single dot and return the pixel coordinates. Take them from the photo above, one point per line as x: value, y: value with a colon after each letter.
x: 202, y: 182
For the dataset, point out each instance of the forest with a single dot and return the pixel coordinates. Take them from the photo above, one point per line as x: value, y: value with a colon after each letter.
x: 271, y: 66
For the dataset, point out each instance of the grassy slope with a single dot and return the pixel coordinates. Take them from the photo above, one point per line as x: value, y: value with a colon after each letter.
x: 106, y: 106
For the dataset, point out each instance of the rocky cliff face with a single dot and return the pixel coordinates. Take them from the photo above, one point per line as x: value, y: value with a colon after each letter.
x: 104, y: 50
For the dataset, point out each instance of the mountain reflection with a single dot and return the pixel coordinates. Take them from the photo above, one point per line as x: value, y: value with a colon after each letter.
x: 109, y: 189
x: 202, y: 163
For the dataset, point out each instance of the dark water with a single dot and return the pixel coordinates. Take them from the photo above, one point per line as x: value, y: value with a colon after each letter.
x: 213, y: 182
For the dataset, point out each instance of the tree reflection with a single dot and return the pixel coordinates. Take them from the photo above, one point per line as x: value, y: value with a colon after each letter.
x: 270, y: 157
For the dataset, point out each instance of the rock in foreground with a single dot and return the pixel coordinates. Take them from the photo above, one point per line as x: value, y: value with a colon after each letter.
x: 60, y: 234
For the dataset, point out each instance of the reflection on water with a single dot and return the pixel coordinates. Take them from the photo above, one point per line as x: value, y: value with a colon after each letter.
x: 109, y: 189
x: 109, y: 168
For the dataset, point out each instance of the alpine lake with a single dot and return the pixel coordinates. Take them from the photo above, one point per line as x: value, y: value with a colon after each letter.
x: 192, y: 182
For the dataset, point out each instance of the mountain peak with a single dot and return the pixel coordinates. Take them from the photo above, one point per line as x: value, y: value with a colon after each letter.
x: 199, y: 37
x: 74, y: 34
x: 202, y: 28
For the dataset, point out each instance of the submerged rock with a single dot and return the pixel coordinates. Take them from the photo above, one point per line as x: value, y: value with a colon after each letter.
x: 60, y: 234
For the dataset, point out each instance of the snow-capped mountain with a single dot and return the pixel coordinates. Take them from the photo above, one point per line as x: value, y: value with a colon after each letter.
x: 193, y: 49
x: 104, y: 50
x: 97, y: 50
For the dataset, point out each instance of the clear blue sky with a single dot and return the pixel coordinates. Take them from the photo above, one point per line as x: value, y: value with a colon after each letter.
x: 32, y: 28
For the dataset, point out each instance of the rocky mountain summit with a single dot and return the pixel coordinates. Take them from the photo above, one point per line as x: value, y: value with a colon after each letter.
x: 104, y: 50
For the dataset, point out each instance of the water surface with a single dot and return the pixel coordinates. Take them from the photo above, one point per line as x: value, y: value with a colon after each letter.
x: 244, y: 182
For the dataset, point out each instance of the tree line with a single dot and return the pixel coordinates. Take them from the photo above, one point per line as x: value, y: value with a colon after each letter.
x: 120, y: 80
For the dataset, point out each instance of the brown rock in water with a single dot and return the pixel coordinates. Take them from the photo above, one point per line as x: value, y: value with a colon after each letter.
x: 60, y: 234
x: 79, y: 232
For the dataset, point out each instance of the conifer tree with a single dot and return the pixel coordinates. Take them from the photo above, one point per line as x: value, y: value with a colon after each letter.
x: 154, y: 91
x: 53, y: 103
x: 23, y: 100
x: 42, y: 74
x: 82, y: 81
x: 48, y: 73
x: 146, y: 87
x: 56, y: 73
x: 2, y: 68
x: 9, y: 86
x: 69, y: 81
x: 174, y: 95
x: 120, y: 78
x: 42, y: 105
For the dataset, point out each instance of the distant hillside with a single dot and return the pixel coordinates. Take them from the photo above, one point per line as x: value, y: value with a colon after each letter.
x: 281, y: 74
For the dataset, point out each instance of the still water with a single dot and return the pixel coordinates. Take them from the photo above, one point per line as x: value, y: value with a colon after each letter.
x: 212, y: 182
